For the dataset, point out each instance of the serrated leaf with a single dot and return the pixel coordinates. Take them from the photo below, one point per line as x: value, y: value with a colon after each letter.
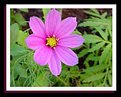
x: 14, y: 29
x: 41, y: 80
x: 24, y: 10
x: 89, y: 23
x: 93, y: 12
x: 95, y: 68
x: 109, y: 19
x: 91, y: 57
x: 17, y: 50
x: 74, y: 68
x: 45, y: 11
x: 94, y: 77
x: 82, y: 53
x: 102, y: 33
x: 20, y: 19
x: 21, y: 38
x: 92, y: 38
x: 96, y: 47
x: 94, y: 22
x: 105, y: 54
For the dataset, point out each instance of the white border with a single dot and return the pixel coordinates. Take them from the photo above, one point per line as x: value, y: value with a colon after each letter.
x: 8, y: 88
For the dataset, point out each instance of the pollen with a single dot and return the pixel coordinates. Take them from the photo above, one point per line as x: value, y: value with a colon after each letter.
x: 51, y: 41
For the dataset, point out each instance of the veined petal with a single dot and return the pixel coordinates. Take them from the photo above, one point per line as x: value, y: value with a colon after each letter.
x: 37, y: 26
x: 42, y: 55
x: 34, y: 42
x: 66, y: 27
x: 71, y: 41
x: 66, y: 55
x: 53, y: 18
x: 54, y: 64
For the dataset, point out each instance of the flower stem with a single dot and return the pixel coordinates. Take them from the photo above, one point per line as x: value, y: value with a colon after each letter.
x: 26, y: 30
x: 16, y: 61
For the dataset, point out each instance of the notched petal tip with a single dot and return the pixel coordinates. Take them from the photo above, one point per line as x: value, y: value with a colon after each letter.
x: 33, y: 17
x: 73, y: 18
x: 53, y: 9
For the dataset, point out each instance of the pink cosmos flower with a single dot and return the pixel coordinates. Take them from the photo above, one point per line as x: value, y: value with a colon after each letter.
x: 52, y: 41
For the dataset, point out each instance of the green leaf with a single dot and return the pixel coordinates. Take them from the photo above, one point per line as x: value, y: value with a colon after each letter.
x: 96, y: 47
x: 20, y: 19
x: 105, y: 53
x: 77, y: 32
x: 82, y: 53
x: 94, y: 77
x: 77, y: 48
x: 21, y: 71
x: 91, y: 57
x: 41, y: 80
x: 89, y: 23
x: 14, y: 29
x: 109, y: 19
x: 17, y: 50
x: 24, y: 10
x: 95, y: 69
x: 104, y: 15
x: 45, y: 11
x: 102, y: 33
x: 93, y: 12
x: 12, y: 17
x: 92, y: 38
x: 94, y: 22
x: 110, y: 79
x: 74, y: 68
x: 21, y: 38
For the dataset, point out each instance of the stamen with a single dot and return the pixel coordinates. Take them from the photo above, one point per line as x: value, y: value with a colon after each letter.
x: 51, y: 41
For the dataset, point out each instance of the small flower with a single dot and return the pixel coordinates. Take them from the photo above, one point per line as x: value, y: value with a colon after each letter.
x: 52, y: 41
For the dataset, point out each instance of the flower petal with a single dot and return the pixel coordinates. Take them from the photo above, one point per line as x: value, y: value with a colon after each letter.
x: 37, y: 26
x: 54, y: 64
x: 53, y: 18
x: 66, y: 27
x: 66, y: 55
x: 71, y: 41
x: 34, y: 42
x: 42, y: 55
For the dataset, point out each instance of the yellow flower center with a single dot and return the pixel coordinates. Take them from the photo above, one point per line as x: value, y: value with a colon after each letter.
x: 51, y: 41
